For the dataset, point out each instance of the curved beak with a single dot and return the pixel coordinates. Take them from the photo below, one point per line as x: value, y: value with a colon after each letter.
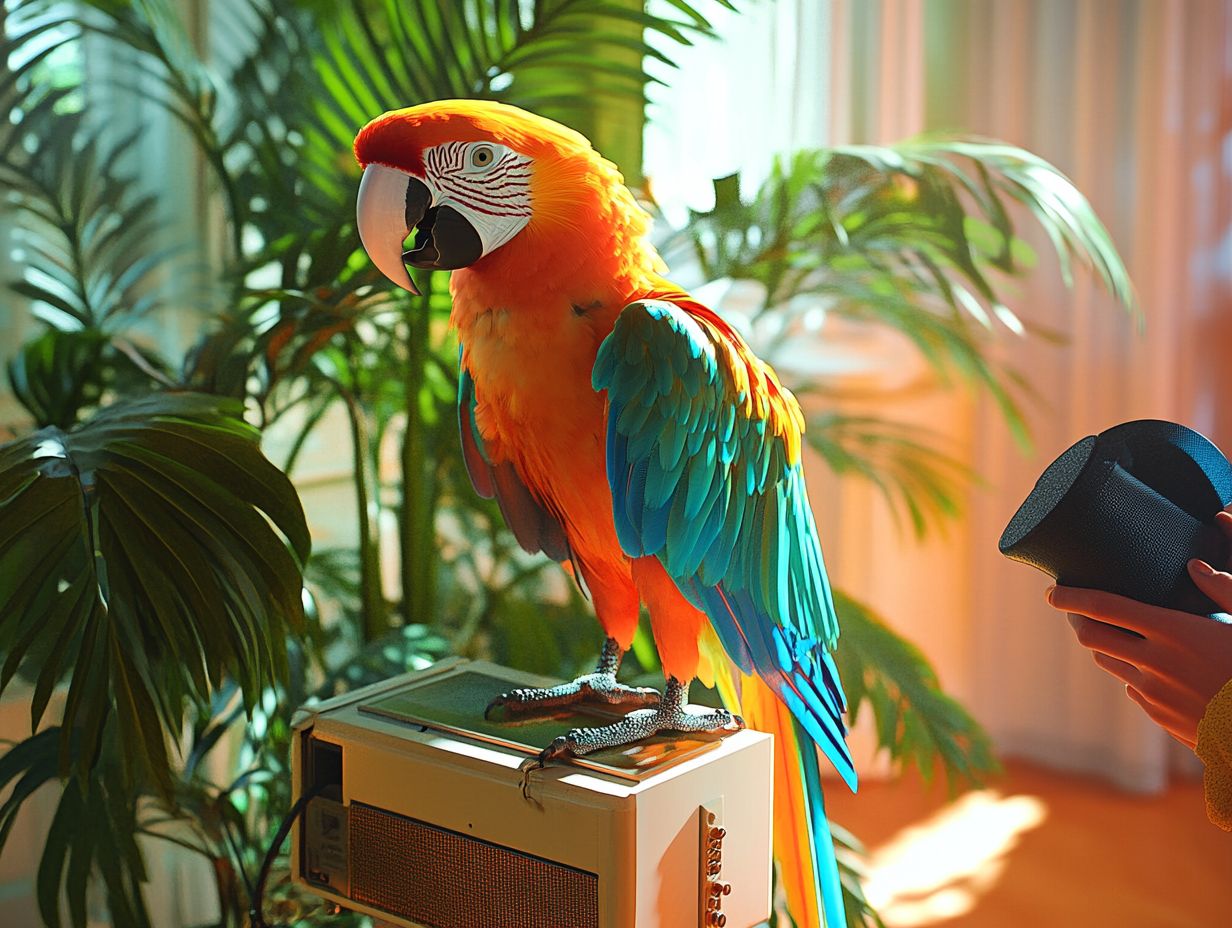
x: 390, y: 204
x: 381, y: 215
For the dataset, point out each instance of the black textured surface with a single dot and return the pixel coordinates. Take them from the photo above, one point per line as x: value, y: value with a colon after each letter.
x: 1123, y: 511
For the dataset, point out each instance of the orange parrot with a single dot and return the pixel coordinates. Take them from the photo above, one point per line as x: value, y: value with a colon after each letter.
x: 628, y: 432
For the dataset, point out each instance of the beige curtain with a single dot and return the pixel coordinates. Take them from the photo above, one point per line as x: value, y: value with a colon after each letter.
x: 1131, y: 99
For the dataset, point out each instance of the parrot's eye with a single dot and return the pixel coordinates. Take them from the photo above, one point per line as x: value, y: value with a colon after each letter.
x: 482, y: 156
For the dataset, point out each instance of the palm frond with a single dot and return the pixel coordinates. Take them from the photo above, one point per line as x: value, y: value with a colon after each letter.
x: 850, y: 853
x: 86, y: 224
x: 133, y: 548
x: 916, y: 721
x: 904, y: 463
x: 551, y: 57
x: 93, y: 830
x: 918, y: 236
x: 95, y: 256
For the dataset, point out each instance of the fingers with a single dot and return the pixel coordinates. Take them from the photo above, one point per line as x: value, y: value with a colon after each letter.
x: 1125, y: 672
x: 1171, y: 722
x: 1117, y: 610
x: 1217, y: 584
x: 1107, y: 639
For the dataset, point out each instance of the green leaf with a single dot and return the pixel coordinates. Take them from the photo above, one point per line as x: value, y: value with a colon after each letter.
x: 91, y: 830
x: 903, y: 462
x: 159, y: 571
x: 916, y: 722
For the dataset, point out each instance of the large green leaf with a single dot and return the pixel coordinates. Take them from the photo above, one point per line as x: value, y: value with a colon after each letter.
x: 93, y: 830
x: 156, y: 552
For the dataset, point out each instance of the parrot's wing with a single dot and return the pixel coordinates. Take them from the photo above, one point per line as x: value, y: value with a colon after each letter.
x: 535, y: 528
x: 703, y: 458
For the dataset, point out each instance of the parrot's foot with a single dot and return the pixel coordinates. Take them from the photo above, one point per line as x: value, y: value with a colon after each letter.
x: 598, y: 687
x: 591, y: 688
x: 672, y: 714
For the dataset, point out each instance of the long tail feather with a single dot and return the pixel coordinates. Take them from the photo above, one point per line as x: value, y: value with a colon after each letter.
x: 803, y: 844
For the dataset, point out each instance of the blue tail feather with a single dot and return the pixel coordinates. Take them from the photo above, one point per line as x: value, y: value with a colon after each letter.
x: 825, y: 869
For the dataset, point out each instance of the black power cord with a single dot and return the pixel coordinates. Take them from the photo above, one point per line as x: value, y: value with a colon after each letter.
x: 256, y: 917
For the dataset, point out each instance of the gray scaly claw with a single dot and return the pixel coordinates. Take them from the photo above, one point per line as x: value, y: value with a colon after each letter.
x: 671, y: 714
x: 599, y: 688
x: 594, y: 688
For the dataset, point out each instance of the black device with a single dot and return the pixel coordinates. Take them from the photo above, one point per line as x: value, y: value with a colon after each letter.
x: 1125, y: 510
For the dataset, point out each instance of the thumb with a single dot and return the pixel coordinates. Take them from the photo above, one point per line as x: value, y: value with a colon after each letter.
x: 1217, y: 584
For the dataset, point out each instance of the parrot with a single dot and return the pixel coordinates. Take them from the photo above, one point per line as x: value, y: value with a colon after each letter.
x: 628, y: 432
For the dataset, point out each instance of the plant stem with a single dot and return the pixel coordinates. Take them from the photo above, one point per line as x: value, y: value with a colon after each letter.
x: 231, y: 908
x: 417, y: 522
x: 374, y: 618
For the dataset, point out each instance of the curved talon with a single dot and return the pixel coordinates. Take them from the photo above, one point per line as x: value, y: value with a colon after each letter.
x: 562, y: 746
x: 529, y: 766
x: 500, y: 702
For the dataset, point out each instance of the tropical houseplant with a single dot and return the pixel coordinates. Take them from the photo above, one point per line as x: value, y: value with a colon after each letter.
x: 151, y: 555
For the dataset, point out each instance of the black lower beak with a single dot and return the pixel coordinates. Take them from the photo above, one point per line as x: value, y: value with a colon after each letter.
x: 442, y: 238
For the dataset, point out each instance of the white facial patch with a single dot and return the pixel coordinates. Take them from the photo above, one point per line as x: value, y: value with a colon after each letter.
x: 488, y: 183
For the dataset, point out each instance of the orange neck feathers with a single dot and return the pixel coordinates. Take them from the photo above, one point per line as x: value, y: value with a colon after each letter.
x: 586, y: 241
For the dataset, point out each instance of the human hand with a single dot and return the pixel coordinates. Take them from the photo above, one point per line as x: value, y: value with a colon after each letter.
x: 1180, y: 662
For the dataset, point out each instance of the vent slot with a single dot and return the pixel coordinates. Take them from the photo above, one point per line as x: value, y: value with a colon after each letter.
x: 324, y: 769
x: 444, y: 879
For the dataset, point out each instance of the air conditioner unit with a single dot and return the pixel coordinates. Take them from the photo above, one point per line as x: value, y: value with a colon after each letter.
x: 423, y: 816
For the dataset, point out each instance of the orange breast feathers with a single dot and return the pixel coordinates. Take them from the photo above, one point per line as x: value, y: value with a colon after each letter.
x: 532, y: 314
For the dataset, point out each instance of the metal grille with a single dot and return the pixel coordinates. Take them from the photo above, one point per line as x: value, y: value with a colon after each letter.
x: 443, y: 879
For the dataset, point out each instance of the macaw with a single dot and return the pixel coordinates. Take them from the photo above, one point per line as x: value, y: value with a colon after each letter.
x: 628, y: 432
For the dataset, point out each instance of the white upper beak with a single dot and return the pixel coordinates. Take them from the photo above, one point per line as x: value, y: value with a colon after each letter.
x: 380, y: 212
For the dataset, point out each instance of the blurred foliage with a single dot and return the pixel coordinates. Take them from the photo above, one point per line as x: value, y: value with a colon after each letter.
x: 916, y: 721
x: 904, y: 462
x: 151, y: 558
x: 918, y: 238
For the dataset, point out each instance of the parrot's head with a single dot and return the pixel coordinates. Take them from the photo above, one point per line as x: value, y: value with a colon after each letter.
x: 466, y: 178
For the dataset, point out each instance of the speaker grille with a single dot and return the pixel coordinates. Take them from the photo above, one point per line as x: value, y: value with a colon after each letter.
x: 443, y: 879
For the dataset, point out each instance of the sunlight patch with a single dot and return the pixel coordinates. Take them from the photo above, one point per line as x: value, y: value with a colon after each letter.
x: 938, y: 869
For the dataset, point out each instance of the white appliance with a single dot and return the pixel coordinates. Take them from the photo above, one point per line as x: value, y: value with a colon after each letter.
x: 421, y: 818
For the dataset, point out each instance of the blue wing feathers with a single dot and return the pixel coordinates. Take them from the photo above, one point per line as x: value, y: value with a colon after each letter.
x: 699, y: 480
x: 477, y: 464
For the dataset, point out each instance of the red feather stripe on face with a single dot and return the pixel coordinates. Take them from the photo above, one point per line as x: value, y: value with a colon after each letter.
x: 501, y: 191
x: 489, y: 209
x: 482, y: 192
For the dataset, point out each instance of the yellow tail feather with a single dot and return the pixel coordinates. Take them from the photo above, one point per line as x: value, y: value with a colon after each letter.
x: 763, y: 711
